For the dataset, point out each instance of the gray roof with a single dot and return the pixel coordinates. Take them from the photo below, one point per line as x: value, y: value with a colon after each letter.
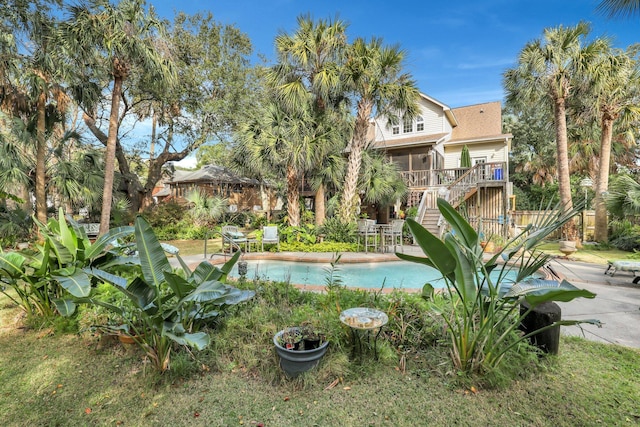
x: 211, y: 173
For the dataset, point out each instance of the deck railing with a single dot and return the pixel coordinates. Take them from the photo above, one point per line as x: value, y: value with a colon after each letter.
x: 482, y: 172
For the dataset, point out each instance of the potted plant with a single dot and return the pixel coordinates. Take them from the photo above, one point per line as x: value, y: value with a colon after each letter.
x: 296, y: 361
x: 312, y: 336
x: 291, y: 339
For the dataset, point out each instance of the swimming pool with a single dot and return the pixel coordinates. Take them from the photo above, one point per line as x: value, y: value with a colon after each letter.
x: 391, y: 274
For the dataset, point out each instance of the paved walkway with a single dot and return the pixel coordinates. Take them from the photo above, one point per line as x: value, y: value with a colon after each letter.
x: 616, y: 305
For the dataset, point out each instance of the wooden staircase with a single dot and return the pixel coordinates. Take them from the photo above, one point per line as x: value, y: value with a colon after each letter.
x: 461, y: 186
x: 430, y: 221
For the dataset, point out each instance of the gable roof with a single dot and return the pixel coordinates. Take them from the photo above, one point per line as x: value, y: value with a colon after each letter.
x: 478, y: 121
x: 211, y: 173
x: 445, y: 108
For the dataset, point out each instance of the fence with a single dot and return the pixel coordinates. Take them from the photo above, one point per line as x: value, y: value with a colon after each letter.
x: 586, y: 222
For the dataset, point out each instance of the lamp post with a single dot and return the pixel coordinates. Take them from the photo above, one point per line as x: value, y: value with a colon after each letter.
x: 586, y: 183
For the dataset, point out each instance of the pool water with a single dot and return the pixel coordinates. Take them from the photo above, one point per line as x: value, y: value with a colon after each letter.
x: 390, y: 274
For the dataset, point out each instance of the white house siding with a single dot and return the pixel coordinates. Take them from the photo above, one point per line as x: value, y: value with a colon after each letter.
x: 495, y: 151
x: 434, y: 122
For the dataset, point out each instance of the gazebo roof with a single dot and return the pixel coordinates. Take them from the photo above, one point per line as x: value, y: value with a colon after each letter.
x: 211, y: 173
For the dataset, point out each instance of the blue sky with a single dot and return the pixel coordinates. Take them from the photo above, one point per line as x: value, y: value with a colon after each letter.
x: 456, y: 51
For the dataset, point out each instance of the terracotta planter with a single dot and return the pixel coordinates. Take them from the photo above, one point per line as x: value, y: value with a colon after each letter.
x: 567, y: 247
x: 127, y: 339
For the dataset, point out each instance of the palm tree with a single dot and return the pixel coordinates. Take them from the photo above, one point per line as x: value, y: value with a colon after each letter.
x: 114, y: 39
x: 622, y: 8
x: 308, y: 72
x: 205, y: 210
x: 374, y: 78
x: 615, y: 80
x: 32, y: 90
x: 380, y: 182
x: 284, y: 143
x: 548, y: 71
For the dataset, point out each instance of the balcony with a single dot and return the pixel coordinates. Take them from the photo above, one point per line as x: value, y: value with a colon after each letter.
x: 483, y: 173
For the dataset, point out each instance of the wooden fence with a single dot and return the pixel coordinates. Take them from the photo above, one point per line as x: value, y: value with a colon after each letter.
x: 586, y: 222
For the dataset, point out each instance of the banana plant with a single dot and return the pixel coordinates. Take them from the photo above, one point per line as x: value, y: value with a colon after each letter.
x: 485, y: 309
x: 44, y: 278
x: 164, y: 307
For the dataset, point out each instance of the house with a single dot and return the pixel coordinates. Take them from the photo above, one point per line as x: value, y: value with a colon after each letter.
x: 243, y: 194
x: 428, y: 152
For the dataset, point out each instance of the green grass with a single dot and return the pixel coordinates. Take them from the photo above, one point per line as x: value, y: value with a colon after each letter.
x: 588, y: 253
x: 72, y: 380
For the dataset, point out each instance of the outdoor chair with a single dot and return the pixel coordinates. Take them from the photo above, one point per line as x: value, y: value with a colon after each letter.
x: 392, y: 236
x: 624, y: 265
x: 270, y: 236
x: 232, y: 238
x: 368, y: 232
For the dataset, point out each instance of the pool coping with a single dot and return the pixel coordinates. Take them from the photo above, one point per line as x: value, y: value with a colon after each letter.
x: 328, y: 257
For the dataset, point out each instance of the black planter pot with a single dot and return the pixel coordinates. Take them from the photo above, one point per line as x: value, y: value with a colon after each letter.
x: 311, y: 344
x: 295, y: 362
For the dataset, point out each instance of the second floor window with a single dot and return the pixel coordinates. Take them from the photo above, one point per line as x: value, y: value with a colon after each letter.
x: 407, y: 126
x: 419, y: 124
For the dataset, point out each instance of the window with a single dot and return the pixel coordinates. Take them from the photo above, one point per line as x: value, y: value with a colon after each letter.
x: 419, y: 124
x: 407, y: 126
x: 395, y: 129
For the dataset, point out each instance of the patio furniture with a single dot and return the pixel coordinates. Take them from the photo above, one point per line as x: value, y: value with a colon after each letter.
x: 624, y: 265
x: 232, y: 238
x: 270, y: 236
x: 392, y: 235
x: 368, y: 232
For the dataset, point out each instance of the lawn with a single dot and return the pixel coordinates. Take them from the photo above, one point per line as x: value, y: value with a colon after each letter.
x: 61, y: 379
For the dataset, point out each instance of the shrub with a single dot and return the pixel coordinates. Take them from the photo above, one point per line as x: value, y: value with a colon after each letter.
x: 625, y: 235
x: 337, y: 231
x: 15, y: 226
x: 165, y: 308
x: 59, y: 266
x: 485, y: 314
x: 165, y: 214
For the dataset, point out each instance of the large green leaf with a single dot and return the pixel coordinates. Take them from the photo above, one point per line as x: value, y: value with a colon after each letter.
x: 62, y: 254
x: 236, y: 296
x: 78, y: 284
x: 464, y: 272
x: 433, y: 247
x: 538, y: 291
x: 106, y: 239
x: 198, y: 340
x: 11, y: 263
x: 153, y: 260
x: 143, y: 295
x: 207, y: 292
x: 117, y: 281
x: 205, y: 271
x: 66, y: 236
x: 65, y: 307
x: 178, y: 284
x: 458, y: 224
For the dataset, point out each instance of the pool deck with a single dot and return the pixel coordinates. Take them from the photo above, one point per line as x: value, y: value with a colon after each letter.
x: 617, y: 304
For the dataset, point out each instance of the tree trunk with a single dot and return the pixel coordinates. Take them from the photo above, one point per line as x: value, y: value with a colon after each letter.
x: 564, y: 183
x: 110, y: 156
x: 293, y: 197
x: 602, y: 184
x: 41, y: 153
x: 320, y: 205
x: 349, y: 205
